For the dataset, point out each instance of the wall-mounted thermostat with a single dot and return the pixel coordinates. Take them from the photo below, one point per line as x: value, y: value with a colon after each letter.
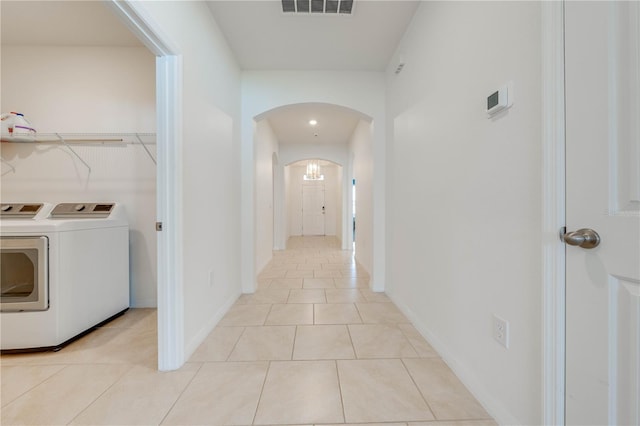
x: 500, y: 100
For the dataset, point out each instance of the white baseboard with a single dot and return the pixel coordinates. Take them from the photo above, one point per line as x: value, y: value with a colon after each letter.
x: 193, y: 345
x: 500, y: 414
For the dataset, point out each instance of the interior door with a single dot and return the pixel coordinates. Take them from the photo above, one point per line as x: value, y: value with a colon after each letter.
x: 313, y: 208
x: 602, y: 48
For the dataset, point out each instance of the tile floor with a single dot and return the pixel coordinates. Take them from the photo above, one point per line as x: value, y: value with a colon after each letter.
x: 313, y: 346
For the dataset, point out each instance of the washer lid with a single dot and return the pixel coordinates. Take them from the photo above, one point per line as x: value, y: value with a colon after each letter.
x: 20, y: 210
x: 82, y: 210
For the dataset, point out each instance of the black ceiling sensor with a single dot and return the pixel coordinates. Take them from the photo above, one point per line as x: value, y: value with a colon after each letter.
x: 342, y: 7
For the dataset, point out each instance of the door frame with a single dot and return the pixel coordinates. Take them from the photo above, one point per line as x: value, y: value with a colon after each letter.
x: 168, y: 178
x: 553, y: 214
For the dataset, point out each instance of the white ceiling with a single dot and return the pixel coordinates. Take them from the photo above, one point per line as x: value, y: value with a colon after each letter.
x: 291, y: 123
x: 261, y: 36
x: 265, y: 38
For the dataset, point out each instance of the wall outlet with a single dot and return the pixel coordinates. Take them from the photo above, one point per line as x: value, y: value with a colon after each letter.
x: 501, y: 331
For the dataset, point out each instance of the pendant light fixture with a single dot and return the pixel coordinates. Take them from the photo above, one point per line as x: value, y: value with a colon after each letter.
x: 313, y: 171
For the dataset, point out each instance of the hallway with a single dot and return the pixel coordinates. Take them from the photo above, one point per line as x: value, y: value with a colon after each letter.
x: 312, y: 346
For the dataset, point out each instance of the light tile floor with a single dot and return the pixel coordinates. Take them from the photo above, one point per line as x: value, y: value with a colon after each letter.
x: 312, y: 346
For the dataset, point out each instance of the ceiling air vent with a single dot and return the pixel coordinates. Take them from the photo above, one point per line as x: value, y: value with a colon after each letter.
x: 337, y: 7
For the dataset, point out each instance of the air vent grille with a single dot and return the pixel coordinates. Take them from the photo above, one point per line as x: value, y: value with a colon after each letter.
x: 337, y: 7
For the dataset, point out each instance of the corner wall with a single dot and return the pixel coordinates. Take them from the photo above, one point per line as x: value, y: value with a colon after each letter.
x: 266, y: 144
x: 464, y: 195
x: 209, y: 164
x: 360, y: 148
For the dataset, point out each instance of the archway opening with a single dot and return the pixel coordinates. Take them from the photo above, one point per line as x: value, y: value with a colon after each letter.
x: 339, y: 140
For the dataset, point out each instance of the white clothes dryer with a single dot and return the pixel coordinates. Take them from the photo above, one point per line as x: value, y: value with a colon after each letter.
x: 64, y: 271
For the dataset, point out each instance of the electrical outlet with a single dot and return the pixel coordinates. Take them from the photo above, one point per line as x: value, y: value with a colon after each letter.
x: 501, y: 331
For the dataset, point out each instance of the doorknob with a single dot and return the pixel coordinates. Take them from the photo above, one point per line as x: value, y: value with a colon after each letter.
x: 585, y: 238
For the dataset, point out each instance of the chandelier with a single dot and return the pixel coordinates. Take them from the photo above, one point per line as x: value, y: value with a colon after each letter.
x: 313, y: 171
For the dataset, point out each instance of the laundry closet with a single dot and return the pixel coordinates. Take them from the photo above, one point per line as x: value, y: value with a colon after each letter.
x: 88, y: 88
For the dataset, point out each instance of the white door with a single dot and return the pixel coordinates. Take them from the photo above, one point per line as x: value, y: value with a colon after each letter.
x: 313, y: 208
x: 602, y: 48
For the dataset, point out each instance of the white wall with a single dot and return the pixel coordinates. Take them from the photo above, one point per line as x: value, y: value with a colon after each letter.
x: 340, y: 188
x: 209, y: 164
x: 464, y: 195
x: 286, y: 217
x: 93, y: 90
x: 263, y: 91
x: 266, y: 144
x: 294, y: 197
x: 336, y: 153
x: 294, y: 200
x: 333, y: 208
x: 361, y: 149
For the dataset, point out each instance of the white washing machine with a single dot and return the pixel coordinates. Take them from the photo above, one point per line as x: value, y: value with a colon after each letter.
x: 64, y: 270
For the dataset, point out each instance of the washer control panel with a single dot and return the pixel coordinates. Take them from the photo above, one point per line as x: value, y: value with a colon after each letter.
x: 20, y: 210
x: 82, y: 210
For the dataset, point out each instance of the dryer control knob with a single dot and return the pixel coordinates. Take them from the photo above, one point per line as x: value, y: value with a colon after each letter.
x: 6, y: 207
x: 79, y: 207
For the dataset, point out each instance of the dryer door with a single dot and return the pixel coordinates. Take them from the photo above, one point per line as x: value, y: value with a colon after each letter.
x: 24, y: 274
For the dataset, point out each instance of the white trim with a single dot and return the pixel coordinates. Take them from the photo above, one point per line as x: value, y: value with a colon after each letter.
x: 553, y: 214
x: 170, y: 264
x: 143, y: 26
x: 248, y: 239
x: 169, y: 178
x: 379, y: 151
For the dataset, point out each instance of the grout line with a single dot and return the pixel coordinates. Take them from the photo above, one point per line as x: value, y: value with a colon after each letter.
x: 264, y: 382
x: 406, y: 336
x: 418, y: 388
x: 236, y: 344
x: 295, y: 338
x: 181, y: 393
x: 353, y: 346
x: 103, y: 392
x: 264, y: 322
x: 344, y: 416
x: 359, y: 314
x: 62, y: 367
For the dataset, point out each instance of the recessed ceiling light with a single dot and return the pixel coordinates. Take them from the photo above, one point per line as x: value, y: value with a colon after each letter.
x: 313, y: 122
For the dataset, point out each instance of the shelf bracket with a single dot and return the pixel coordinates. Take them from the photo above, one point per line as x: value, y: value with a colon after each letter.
x: 13, y: 169
x: 146, y: 149
x: 73, y: 152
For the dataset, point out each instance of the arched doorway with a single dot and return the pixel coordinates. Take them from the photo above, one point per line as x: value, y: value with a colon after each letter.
x: 340, y: 139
